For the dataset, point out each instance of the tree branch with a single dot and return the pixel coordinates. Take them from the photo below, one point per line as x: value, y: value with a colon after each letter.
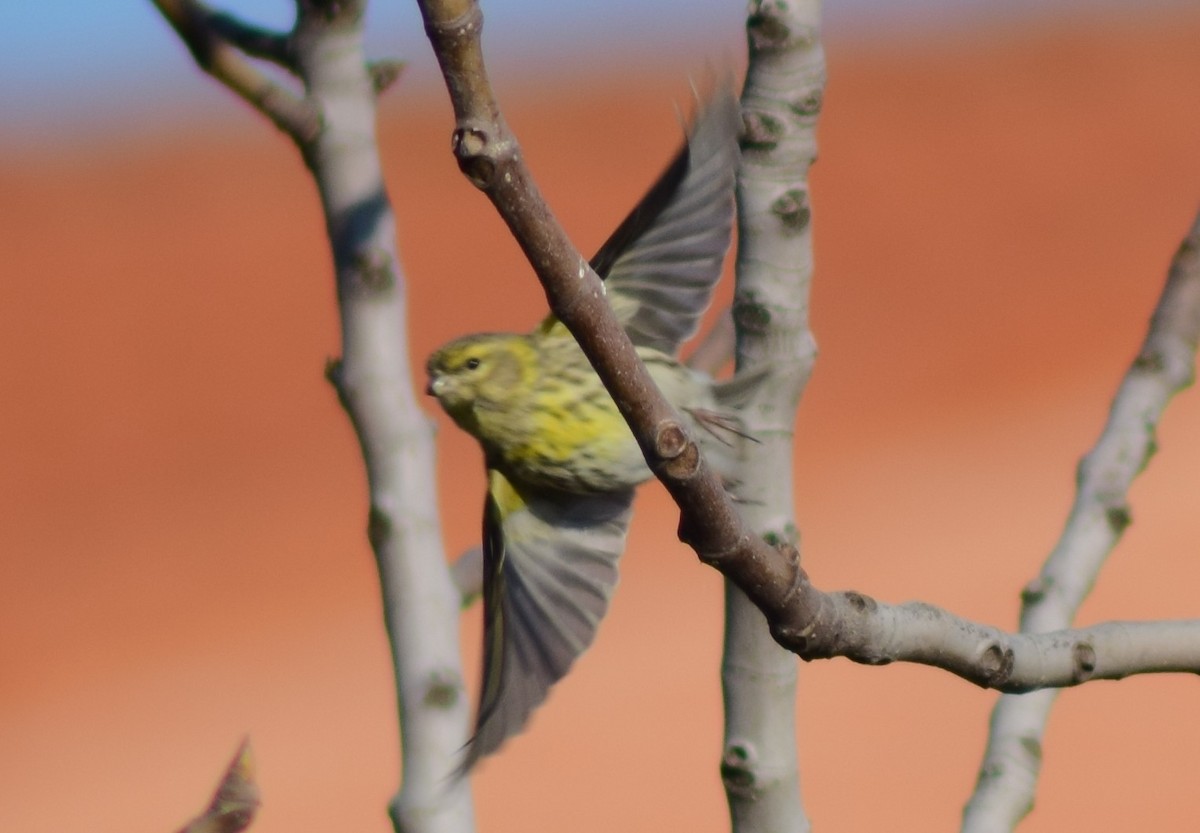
x: 1164, y: 365
x: 255, y: 41
x: 851, y: 625
x: 207, y: 37
x: 760, y: 767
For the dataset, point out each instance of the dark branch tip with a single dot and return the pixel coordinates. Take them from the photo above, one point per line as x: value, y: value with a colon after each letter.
x: 236, y: 799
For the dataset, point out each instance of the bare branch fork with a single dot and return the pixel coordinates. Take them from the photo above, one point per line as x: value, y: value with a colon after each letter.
x: 1164, y: 365
x: 332, y: 122
x: 803, y: 619
x: 220, y: 44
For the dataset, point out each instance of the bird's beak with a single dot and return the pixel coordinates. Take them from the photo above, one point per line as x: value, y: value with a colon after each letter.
x: 431, y: 387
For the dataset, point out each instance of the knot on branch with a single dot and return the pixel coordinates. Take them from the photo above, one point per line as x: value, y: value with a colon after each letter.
x: 737, y: 769
x: 766, y: 28
x: 860, y: 603
x: 372, y: 272
x: 808, y: 105
x: 1036, y: 590
x: 760, y: 130
x: 995, y: 665
x: 476, y: 151
x: 751, y: 315
x: 679, y: 455
x: 1149, y: 361
x: 1118, y: 516
x: 379, y: 527
x: 442, y: 689
x: 1083, y: 655
x: 792, y: 210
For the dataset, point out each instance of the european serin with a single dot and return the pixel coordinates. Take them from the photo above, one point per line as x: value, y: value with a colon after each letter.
x: 562, y: 464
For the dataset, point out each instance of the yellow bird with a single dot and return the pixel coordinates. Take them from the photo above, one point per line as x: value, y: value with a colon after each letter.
x: 561, y: 462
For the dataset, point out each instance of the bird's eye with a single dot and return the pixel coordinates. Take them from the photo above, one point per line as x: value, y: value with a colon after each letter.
x: 471, y: 363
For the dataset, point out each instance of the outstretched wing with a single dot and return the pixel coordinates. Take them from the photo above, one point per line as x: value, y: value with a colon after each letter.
x: 661, y: 264
x: 549, y: 566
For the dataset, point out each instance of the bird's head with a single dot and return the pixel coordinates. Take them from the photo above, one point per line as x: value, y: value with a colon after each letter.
x: 479, y: 371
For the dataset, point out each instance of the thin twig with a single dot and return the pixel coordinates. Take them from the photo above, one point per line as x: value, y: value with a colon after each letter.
x: 1164, y: 365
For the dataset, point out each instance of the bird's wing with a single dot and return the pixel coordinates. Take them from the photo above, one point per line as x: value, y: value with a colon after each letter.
x: 549, y: 566
x: 661, y: 264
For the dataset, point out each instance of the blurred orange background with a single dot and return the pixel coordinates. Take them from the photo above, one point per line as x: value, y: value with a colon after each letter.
x: 182, y: 548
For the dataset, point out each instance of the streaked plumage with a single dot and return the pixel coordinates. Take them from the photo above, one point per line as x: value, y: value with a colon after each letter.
x: 562, y: 464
